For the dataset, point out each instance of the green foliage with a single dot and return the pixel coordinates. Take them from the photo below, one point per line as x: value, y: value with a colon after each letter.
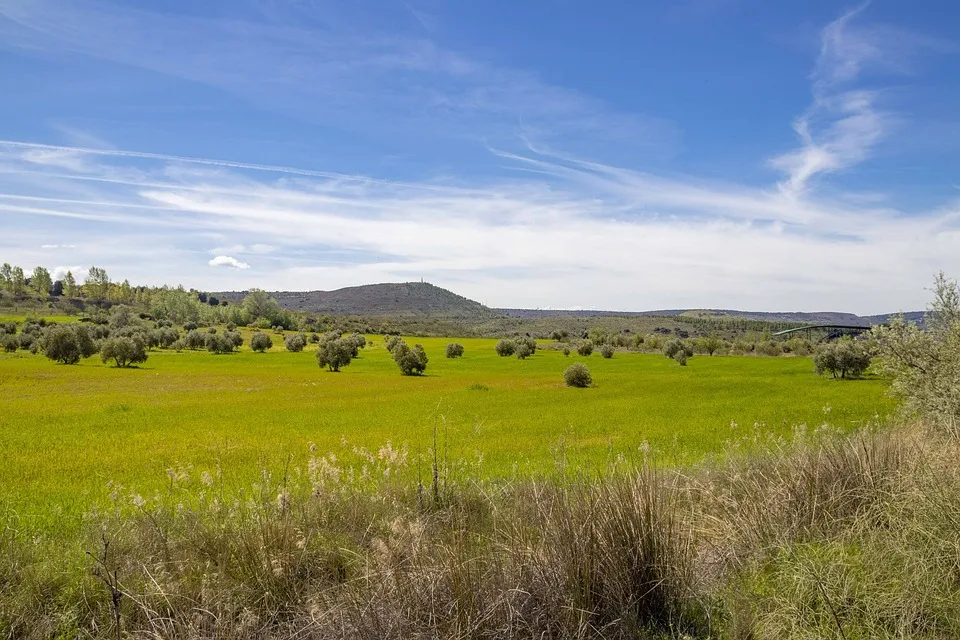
x: 925, y: 365
x: 40, y: 282
x: 412, y: 362
x: 577, y: 375
x: 598, y: 336
x: 391, y: 342
x: 218, y: 344
x: 505, y: 348
x: 769, y: 348
x: 295, y: 343
x: 672, y: 348
x: 67, y: 344
x: 585, y: 348
x: 681, y: 357
x: 710, y: 344
x: 454, y: 350
x: 566, y: 351
x: 10, y: 343
x: 260, y: 342
x: 607, y: 350
x: 335, y: 352
x: 123, y: 351
x: 844, y: 358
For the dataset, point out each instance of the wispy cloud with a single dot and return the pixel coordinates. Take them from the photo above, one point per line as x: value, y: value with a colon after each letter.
x: 228, y: 262
x: 844, y: 123
x: 569, y: 233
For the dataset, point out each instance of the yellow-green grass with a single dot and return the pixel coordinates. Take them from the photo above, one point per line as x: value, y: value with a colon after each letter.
x: 67, y: 431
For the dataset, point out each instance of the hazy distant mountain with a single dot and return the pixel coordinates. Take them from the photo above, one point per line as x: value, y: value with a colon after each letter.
x: 422, y: 298
x: 387, y: 299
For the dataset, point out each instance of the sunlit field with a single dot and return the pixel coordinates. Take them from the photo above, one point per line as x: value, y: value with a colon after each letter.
x: 67, y: 432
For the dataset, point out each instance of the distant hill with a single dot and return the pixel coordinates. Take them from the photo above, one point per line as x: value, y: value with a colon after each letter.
x: 817, y: 317
x: 386, y: 299
x: 422, y: 299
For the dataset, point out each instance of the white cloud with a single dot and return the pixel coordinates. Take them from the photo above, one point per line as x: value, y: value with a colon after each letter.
x: 79, y: 273
x: 58, y: 246
x: 571, y: 234
x: 229, y: 262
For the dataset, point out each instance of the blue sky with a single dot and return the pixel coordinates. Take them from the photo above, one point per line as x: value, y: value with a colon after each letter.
x: 617, y: 155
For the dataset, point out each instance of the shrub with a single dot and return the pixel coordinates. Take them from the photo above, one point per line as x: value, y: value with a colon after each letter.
x: 234, y: 337
x: 577, y: 375
x: 195, y: 339
x: 392, y: 341
x: 672, y: 348
x: 606, y: 350
x: 166, y: 336
x: 505, y: 348
x: 10, y: 343
x: 124, y: 351
x: 335, y: 353
x: 523, y: 350
x: 925, y: 364
x: 295, y: 343
x: 231, y: 326
x: 566, y: 352
x: 530, y: 343
x: 842, y: 359
x: 454, y: 350
x: 585, y: 348
x: 769, y: 348
x: 190, y: 326
x: 66, y: 344
x: 260, y: 342
x: 315, y: 338
x: 681, y: 357
x: 211, y: 330
x: 710, y: 344
x: 219, y: 344
x: 9, y: 328
x: 412, y: 362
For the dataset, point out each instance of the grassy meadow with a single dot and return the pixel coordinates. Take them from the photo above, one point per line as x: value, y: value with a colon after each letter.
x: 68, y: 432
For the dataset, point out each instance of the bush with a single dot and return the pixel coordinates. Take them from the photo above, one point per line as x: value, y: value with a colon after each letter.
x: 523, y: 350
x: 412, y: 362
x: 8, y: 328
x: 392, y: 341
x: 769, y: 348
x: 231, y: 326
x: 577, y: 375
x: 295, y: 343
x: 606, y: 350
x: 260, y: 342
x: 842, y: 359
x: 505, y: 348
x: 710, y: 345
x: 219, y: 344
x: 681, y: 357
x: 674, y: 347
x: 66, y: 345
x: 123, y: 351
x: 315, y: 338
x: 334, y: 353
x: 195, y: 339
x: 585, y: 348
x: 234, y: 337
x: 454, y: 350
x: 10, y: 343
x: 190, y: 326
x: 566, y: 352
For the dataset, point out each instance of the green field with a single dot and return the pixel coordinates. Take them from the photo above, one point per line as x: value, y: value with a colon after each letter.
x: 66, y: 431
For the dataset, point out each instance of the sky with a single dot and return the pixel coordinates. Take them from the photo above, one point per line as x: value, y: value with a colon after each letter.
x: 799, y: 155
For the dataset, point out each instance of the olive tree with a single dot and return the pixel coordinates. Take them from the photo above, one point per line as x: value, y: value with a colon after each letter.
x: 924, y: 363
x: 412, y: 362
x: 123, y: 351
x: 454, y: 350
x: 710, y: 344
x: 295, y: 343
x: 67, y: 344
x: 505, y: 348
x: 585, y: 348
x: 335, y: 353
x: 606, y: 350
x: 260, y: 342
x: 842, y: 359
